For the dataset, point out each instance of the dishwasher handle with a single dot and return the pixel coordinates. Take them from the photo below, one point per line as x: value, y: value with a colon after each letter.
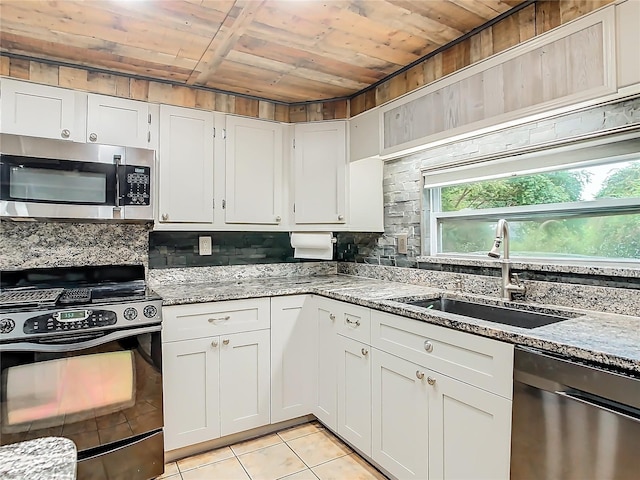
x: 601, y: 404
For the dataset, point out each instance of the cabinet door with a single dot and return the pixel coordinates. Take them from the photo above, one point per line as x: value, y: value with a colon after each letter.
x: 292, y: 365
x: 400, y: 416
x: 244, y: 381
x: 469, y: 431
x: 325, y: 408
x: 253, y: 171
x: 354, y: 393
x: 185, y: 163
x: 42, y: 111
x: 191, y: 391
x: 118, y: 121
x: 320, y: 164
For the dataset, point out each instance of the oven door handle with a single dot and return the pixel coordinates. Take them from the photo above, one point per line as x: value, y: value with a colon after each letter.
x: 70, y: 346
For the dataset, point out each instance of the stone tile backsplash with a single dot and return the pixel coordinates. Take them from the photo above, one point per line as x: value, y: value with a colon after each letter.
x: 180, y: 249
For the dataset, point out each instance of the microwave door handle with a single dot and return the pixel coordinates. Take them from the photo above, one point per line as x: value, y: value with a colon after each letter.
x: 70, y: 346
x: 117, y: 159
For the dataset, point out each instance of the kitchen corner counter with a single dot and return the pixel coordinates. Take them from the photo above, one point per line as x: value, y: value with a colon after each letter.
x: 47, y: 458
x: 605, y: 338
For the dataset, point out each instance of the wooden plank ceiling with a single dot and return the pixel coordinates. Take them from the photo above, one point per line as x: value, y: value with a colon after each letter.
x: 282, y: 50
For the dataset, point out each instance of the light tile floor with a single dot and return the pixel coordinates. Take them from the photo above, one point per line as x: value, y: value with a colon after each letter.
x: 305, y: 452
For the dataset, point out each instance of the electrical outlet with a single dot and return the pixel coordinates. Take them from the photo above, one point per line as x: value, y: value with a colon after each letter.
x: 204, y: 245
x: 402, y: 240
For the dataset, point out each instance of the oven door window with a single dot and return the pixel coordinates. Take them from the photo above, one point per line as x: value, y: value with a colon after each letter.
x: 94, y: 396
x: 57, y: 181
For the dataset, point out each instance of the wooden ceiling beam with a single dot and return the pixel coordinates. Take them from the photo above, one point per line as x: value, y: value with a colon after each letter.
x: 220, y: 47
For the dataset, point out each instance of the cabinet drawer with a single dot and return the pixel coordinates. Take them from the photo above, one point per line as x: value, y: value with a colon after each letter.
x: 476, y: 360
x: 183, y: 322
x: 353, y: 321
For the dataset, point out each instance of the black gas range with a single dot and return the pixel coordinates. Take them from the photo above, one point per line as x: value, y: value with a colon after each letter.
x: 43, y: 302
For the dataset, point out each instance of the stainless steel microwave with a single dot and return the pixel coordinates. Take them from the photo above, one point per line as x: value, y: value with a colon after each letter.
x: 41, y: 178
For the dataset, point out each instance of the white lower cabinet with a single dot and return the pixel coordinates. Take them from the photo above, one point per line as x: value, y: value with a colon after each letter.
x: 293, y: 383
x: 469, y: 431
x: 428, y: 425
x: 421, y: 401
x: 354, y: 393
x: 216, y: 384
x: 324, y: 322
x: 400, y: 416
x: 244, y: 381
x: 191, y: 388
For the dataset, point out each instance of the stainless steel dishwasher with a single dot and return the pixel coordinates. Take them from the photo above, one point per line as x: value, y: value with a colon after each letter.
x: 573, y: 420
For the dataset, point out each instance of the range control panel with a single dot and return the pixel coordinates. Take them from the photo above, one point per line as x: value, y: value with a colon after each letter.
x: 63, y: 321
x: 25, y: 323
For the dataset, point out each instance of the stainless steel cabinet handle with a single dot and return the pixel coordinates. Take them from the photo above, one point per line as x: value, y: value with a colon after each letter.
x: 365, y: 352
x: 214, y: 343
x: 351, y: 322
x: 165, y: 217
x: 419, y: 375
x: 93, y: 137
x: 219, y: 319
x: 332, y: 316
x: 278, y: 218
x: 428, y: 346
x: 340, y: 217
x: 431, y: 380
x: 65, y: 133
x: 225, y: 341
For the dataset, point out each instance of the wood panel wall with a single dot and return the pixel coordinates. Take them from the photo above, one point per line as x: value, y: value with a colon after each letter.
x: 517, y: 28
x: 523, y: 25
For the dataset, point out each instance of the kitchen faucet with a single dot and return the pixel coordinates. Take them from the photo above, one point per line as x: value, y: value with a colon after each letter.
x: 502, y: 236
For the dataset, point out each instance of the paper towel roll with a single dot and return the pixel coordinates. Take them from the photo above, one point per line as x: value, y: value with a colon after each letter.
x: 316, y: 245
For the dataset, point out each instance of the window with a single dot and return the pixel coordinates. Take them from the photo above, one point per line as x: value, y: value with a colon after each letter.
x: 580, y: 203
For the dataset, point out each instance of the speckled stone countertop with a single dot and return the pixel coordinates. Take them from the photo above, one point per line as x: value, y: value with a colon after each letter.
x: 610, y: 339
x: 48, y: 458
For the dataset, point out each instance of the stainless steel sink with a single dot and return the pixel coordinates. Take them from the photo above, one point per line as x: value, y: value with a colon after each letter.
x: 490, y: 313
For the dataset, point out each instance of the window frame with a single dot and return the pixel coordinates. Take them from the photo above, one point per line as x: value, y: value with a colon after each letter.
x: 432, y: 215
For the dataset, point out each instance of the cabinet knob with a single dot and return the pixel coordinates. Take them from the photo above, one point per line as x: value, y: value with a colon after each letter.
x: 419, y: 375
x: 225, y: 341
x: 278, y: 218
x: 165, y: 217
x: 332, y: 316
x: 340, y: 217
x: 428, y: 346
x: 65, y: 133
x: 365, y: 352
x: 431, y: 380
x: 214, y: 343
x: 93, y: 137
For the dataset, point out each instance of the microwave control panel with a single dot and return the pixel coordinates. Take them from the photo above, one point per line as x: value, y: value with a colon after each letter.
x: 135, y: 185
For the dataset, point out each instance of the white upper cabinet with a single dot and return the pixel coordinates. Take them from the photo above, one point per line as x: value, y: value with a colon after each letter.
x: 628, y: 39
x: 253, y: 173
x: 42, y: 111
x: 185, y: 164
x: 320, y: 171
x: 120, y: 121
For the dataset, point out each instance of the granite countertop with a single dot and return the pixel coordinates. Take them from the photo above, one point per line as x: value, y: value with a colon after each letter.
x: 47, y: 458
x: 607, y: 338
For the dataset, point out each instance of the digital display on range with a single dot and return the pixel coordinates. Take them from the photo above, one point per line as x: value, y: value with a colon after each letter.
x: 72, y: 315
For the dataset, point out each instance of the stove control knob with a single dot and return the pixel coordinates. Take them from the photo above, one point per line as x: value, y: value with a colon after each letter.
x: 150, y: 311
x: 6, y: 325
x: 130, y: 313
